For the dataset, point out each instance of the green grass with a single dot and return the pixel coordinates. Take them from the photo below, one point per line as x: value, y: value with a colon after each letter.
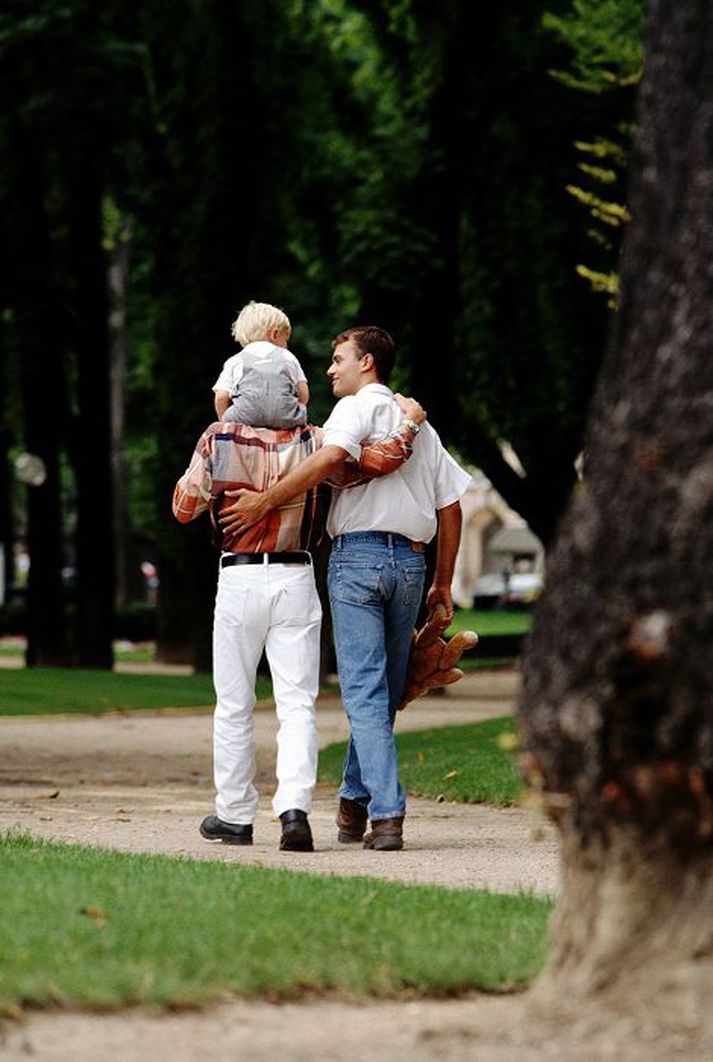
x: 35, y: 691
x: 135, y: 656
x: 486, y: 623
x: 462, y: 763
x: 495, y: 622
x: 472, y: 662
x: 138, y: 656
x: 93, y: 928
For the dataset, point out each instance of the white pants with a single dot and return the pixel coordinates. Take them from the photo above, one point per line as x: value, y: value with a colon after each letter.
x: 273, y: 607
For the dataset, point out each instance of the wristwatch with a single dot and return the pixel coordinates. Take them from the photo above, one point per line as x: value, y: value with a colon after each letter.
x: 415, y: 428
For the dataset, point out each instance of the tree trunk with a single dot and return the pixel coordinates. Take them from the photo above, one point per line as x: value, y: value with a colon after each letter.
x: 92, y: 450
x: 627, y: 908
x: 35, y: 319
x: 617, y: 717
x: 205, y: 202
x: 7, y: 523
x: 128, y: 582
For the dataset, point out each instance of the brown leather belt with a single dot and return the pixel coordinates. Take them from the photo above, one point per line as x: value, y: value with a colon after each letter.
x: 385, y: 538
x: 284, y: 557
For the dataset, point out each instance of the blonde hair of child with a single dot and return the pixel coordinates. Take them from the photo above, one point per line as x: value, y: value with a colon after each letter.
x: 258, y: 320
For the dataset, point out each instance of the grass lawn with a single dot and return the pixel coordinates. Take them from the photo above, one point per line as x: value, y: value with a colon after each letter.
x: 138, y: 655
x: 135, y: 655
x: 12, y: 649
x: 472, y: 662
x: 464, y: 763
x: 35, y: 691
x: 490, y: 622
x: 93, y: 928
x: 486, y: 623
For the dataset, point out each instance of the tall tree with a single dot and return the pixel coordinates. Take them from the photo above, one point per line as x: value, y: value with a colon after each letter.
x: 64, y: 67
x: 465, y: 243
x: 215, y: 158
x: 34, y: 310
x: 616, y: 713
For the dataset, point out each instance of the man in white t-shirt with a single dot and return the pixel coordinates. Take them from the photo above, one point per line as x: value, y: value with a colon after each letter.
x: 376, y: 570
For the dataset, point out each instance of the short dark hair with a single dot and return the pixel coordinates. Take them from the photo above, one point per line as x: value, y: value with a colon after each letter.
x: 370, y: 339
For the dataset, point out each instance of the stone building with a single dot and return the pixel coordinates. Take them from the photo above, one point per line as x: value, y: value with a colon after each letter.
x: 499, y: 557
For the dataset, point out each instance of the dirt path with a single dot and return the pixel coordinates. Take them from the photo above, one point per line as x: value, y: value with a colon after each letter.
x: 141, y: 782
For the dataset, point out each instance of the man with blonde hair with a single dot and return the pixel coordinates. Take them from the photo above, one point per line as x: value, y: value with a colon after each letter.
x: 264, y: 384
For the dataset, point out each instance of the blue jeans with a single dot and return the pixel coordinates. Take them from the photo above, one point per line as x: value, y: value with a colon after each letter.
x: 375, y: 586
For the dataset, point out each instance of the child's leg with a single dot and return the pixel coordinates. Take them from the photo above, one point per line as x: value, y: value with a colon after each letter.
x: 278, y: 411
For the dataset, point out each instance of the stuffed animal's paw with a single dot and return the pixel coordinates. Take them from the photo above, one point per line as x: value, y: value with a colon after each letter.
x: 432, y: 658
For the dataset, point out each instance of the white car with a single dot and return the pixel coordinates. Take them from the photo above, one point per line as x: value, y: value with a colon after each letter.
x: 512, y: 588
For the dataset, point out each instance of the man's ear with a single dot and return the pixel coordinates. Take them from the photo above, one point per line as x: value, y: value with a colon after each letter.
x: 367, y: 362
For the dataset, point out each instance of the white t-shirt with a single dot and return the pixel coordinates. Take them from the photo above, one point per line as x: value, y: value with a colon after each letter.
x: 404, y: 501
x: 232, y: 371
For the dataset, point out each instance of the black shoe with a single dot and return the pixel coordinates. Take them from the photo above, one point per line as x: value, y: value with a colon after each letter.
x: 296, y: 834
x: 214, y: 829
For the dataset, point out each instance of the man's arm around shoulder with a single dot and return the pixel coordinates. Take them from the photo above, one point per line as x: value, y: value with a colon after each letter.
x: 249, y: 507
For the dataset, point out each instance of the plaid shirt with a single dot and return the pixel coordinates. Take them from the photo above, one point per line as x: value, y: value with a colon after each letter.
x: 229, y: 456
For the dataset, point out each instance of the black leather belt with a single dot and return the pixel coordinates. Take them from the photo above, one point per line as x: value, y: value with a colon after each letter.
x: 284, y: 557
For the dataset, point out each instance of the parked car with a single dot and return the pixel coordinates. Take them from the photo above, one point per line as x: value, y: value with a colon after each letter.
x: 507, y: 589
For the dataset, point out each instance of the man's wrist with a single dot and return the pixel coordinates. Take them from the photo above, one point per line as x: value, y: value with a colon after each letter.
x: 267, y: 501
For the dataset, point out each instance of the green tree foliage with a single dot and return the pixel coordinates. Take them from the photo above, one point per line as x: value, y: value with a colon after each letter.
x: 455, y: 233
x: 388, y: 160
x: 604, y: 38
x: 219, y: 181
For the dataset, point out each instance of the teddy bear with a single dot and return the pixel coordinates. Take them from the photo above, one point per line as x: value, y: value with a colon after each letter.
x: 432, y: 658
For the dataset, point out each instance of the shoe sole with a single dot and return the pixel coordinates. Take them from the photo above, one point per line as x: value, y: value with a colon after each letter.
x: 349, y: 838
x: 226, y: 839
x: 385, y: 844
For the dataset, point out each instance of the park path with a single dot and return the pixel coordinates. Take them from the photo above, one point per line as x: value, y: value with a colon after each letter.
x: 141, y: 782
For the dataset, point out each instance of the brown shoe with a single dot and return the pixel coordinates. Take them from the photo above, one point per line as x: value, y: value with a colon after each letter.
x: 386, y: 835
x: 351, y: 820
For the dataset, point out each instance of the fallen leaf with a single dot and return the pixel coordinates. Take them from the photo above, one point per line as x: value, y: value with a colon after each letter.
x: 99, y: 915
x: 451, y: 774
x: 93, y: 911
x: 52, y: 795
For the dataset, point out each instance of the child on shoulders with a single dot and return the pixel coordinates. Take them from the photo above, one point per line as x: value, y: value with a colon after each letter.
x: 263, y: 385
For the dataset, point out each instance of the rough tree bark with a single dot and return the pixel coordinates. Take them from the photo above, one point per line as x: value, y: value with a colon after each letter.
x: 616, y: 715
